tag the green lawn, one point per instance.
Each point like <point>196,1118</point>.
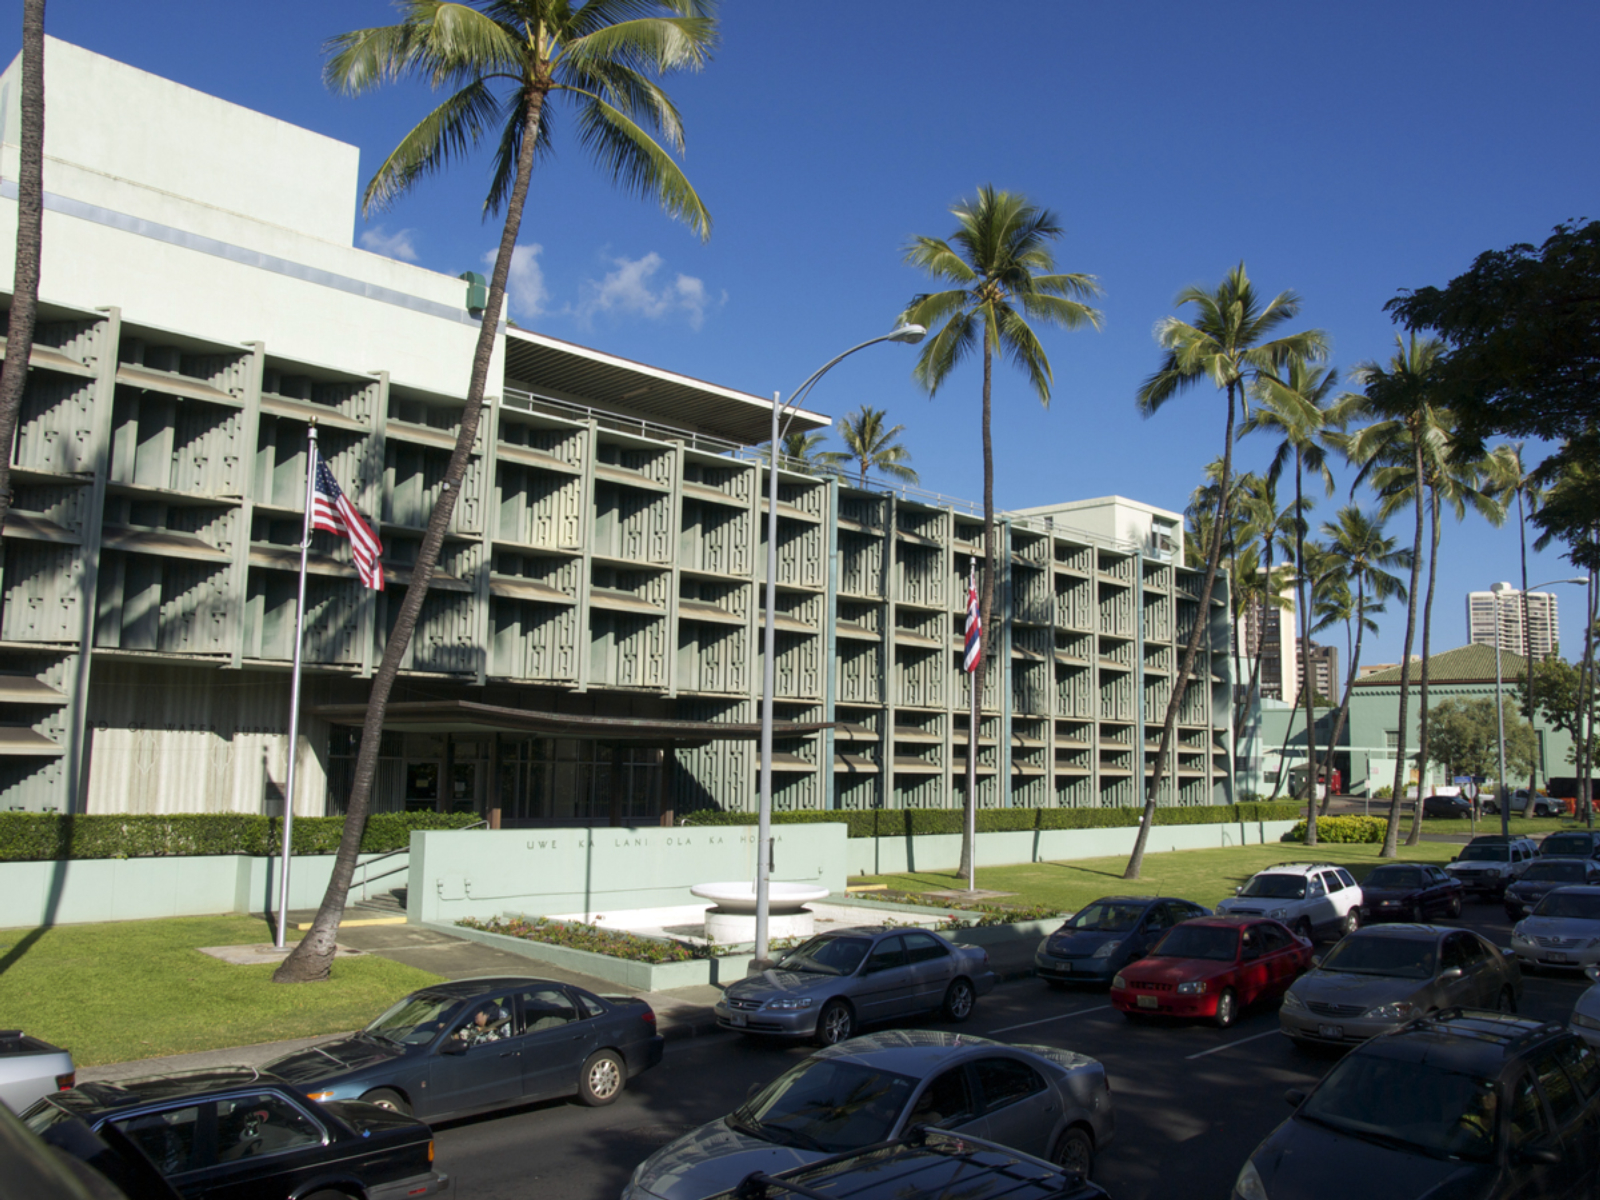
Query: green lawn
<point>138,989</point>
<point>1204,876</point>
<point>1537,826</point>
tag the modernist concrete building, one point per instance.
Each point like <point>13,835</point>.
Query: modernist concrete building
<point>589,650</point>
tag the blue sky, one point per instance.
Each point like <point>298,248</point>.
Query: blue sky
<point>1344,151</point>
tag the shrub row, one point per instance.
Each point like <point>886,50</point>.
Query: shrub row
<point>578,936</point>
<point>1343,829</point>
<point>898,822</point>
<point>43,837</point>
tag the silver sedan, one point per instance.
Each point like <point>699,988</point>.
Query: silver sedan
<point>1380,977</point>
<point>1050,1103</point>
<point>846,978</point>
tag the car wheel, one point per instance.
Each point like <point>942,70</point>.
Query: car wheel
<point>1227,1009</point>
<point>1508,1000</point>
<point>326,1195</point>
<point>1492,809</point>
<point>959,999</point>
<point>835,1023</point>
<point>1351,922</point>
<point>602,1078</point>
<point>393,1101</point>
<point>1074,1150</point>
<point>1454,910</point>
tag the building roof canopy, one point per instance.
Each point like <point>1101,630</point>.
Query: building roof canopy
<point>1469,664</point>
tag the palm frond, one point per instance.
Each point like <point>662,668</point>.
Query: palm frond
<point>449,132</point>
<point>935,256</point>
<point>635,161</point>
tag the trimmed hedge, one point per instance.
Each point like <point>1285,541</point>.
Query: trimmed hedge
<point>1343,829</point>
<point>898,822</point>
<point>45,837</point>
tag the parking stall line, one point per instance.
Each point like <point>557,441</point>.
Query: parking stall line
<point>1077,1012</point>
<point>1231,1045</point>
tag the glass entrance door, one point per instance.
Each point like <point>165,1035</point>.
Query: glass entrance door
<point>422,785</point>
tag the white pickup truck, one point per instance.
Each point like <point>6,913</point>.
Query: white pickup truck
<point>31,1069</point>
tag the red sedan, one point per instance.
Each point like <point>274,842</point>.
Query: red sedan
<point>1211,967</point>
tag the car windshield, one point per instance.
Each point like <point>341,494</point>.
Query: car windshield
<point>415,1021</point>
<point>1563,843</point>
<point>1276,887</point>
<point>1565,872</point>
<point>1578,906</point>
<point>826,1105</point>
<point>1407,1106</point>
<point>826,956</point>
<point>1395,877</point>
<point>1219,942</point>
<point>1486,854</point>
<point>1404,958</point>
<point>1105,917</point>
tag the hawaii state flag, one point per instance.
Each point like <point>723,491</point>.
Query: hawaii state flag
<point>332,512</point>
<point>974,623</point>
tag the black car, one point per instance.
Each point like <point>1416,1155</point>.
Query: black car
<point>1409,892</point>
<point>1467,1104</point>
<point>248,1136</point>
<point>927,1164</point>
<point>1446,806</point>
<point>1572,843</point>
<point>1543,876</point>
<point>473,1045</point>
<point>1107,934</point>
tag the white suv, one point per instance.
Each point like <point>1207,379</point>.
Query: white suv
<point>1313,899</point>
<point>1489,863</point>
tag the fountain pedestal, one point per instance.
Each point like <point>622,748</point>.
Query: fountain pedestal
<point>733,920</point>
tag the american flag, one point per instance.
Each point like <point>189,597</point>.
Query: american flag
<point>974,624</point>
<point>332,512</point>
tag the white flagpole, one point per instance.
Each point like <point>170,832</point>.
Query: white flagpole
<point>294,691</point>
<point>972,740</point>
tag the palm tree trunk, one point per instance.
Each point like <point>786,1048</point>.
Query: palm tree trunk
<point>30,240</point>
<point>1414,838</point>
<point>1283,747</point>
<point>1305,655</point>
<point>1391,838</point>
<point>985,605</point>
<point>1191,651</point>
<point>1349,685</point>
<point>1585,714</point>
<point>311,959</point>
<point>1527,640</point>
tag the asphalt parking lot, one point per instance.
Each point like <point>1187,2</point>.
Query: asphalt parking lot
<point>1192,1101</point>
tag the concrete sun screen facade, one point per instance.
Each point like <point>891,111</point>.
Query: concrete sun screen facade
<point>589,652</point>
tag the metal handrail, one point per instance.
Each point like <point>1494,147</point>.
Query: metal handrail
<point>377,858</point>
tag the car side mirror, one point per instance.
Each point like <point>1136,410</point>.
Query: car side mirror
<point>1449,973</point>
<point>1316,960</point>
<point>1593,972</point>
<point>453,1045</point>
<point>1455,858</point>
<point>1238,890</point>
<point>1295,1097</point>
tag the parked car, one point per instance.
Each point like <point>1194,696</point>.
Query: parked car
<point>1042,1101</point>
<point>1571,843</point>
<point>104,1166</point>
<point>1586,1012</point>
<point>1517,802</point>
<point>1469,1105</point>
<point>838,981</point>
<point>928,1164</point>
<point>1447,806</point>
<point>249,1136</point>
<point>1564,931</point>
<point>473,1045</point>
<point>1488,864</point>
<point>1409,892</point>
<point>1545,875</point>
<point>1313,899</point>
<point>31,1068</point>
<point>1105,935</point>
<point>1380,977</point>
<point>1212,968</point>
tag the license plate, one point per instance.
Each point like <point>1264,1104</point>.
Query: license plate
<point>1335,1032</point>
<point>1065,968</point>
<point>738,1019</point>
<point>1147,1002</point>
<point>1555,958</point>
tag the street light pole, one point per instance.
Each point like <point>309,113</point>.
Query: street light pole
<point>910,334</point>
<point>1499,704</point>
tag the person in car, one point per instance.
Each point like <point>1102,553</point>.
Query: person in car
<point>487,1025</point>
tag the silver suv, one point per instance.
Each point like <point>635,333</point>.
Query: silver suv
<point>1488,864</point>
<point>1313,899</point>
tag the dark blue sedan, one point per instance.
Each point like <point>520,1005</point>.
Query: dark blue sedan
<point>1106,935</point>
<point>473,1045</point>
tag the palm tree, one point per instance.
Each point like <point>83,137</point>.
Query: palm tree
<point>1505,470</point>
<point>871,446</point>
<point>1294,403</point>
<point>1357,554</point>
<point>1229,343</point>
<point>1004,275</point>
<point>30,239</point>
<point>505,60</point>
<point>800,449</point>
<point>1400,399</point>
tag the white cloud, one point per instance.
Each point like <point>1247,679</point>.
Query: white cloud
<point>628,289</point>
<point>525,289</point>
<point>390,245</point>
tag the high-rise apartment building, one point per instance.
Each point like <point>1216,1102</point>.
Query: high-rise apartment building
<point>1325,670</point>
<point>1543,630</point>
<point>1269,630</point>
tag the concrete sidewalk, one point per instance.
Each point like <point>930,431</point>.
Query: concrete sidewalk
<point>680,1013</point>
